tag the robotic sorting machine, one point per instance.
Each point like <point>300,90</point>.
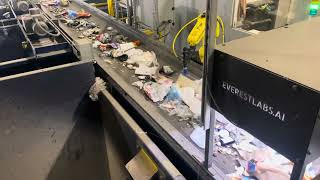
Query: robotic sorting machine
<point>240,83</point>
<point>269,85</point>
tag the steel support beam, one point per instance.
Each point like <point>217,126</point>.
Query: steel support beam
<point>208,114</point>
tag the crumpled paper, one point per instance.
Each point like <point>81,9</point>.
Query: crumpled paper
<point>138,58</point>
<point>155,91</point>
<point>188,97</point>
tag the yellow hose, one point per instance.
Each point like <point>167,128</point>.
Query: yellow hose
<point>179,32</point>
<point>222,28</point>
<point>99,4</point>
<point>110,8</point>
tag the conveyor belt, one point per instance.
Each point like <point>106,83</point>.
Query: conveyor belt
<point>174,132</point>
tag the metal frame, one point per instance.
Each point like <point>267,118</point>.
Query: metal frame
<point>26,36</point>
<point>142,139</point>
<point>129,11</point>
<point>17,23</point>
<point>134,14</point>
<point>207,113</point>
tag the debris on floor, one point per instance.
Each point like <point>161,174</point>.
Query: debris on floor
<point>129,66</point>
<point>142,77</point>
<point>198,136</point>
<point>91,32</point>
<point>110,28</point>
<point>313,170</point>
<point>122,58</point>
<point>239,145</point>
<point>108,61</point>
<point>96,44</point>
<point>166,70</point>
<point>138,84</point>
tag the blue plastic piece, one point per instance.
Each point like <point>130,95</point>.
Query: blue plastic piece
<point>252,168</point>
<point>72,14</point>
<point>185,71</point>
<point>174,94</point>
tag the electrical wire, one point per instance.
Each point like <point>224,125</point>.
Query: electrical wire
<point>219,20</point>
<point>46,31</point>
<point>179,32</point>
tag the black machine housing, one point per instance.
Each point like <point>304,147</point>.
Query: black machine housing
<point>267,86</point>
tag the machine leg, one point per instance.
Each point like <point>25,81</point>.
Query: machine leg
<point>210,141</point>
<point>208,114</point>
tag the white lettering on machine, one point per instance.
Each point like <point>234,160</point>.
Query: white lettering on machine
<point>244,96</point>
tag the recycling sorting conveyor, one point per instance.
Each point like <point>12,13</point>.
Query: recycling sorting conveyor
<point>144,87</point>
<point>32,67</point>
<point>173,135</point>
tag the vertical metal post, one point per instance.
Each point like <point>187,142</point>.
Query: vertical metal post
<point>207,113</point>
<point>134,13</point>
<point>155,14</point>
<point>129,12</point>
<point>116,8</point>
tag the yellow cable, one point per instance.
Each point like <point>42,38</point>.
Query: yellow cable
<point>222,28</point>
<point>179,32</point>
<point>110,8</point>
<point>99,4</point>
